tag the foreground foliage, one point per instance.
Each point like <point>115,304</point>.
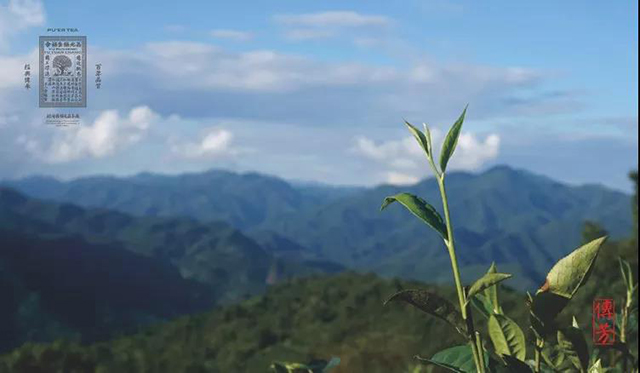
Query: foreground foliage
<point>557,346</point>
<point>298,321</point>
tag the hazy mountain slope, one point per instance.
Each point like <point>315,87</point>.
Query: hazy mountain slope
<point>503,215</point>
<point>70,271</point>
<point>509,216</point>
<point>213,253</point>
<point>65,286</point>
<point>243,200</point>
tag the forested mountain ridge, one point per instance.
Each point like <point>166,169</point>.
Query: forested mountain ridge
<point>90,273</point>
<point>513,217</point>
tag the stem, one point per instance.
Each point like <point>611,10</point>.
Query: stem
<point>451,248</point>
<point>473,336</point>
<point>625,315</point>
<point>476,357</point>
<point>480,349</point>
<point>435,169</point>
<point>462,298</point>
<point>539,343</point>
<point>623,327</point>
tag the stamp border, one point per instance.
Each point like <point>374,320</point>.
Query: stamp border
<point>41,41</point>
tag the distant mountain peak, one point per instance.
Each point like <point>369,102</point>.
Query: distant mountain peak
<point>502,168</point>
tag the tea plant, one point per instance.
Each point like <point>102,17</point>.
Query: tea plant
<point>555,347</point>
<point>629,314</point>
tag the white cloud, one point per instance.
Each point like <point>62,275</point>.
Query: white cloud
<point>18,15</point>
<point>191,65</point>
<point>302,34</point>
<point>432,72</point>
<point>392,151</point>
<point>202,66</point>
<point>329,102</point>
<point>178,51</point>
<point>108,133</point>
<point>27,12</point>
<point>6,120</point>
<point>397,178</point>
<point>231,34</point>
<point>332,18</point>
<point>215,142</point>
<point>200,80</point>
<point>11,73</point>
<point>331,24</point>
<point>405,162</point>
<point>472,153</point>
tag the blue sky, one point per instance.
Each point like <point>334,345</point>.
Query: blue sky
<point>318,90</point>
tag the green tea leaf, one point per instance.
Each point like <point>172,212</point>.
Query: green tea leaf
<point>316,366</point>
<point>482,304</point>
<point>596,367</point>
<point>486,281</point>
<point>544,309</point>
<point>457,359</point>
<point>418,207</point>
<point>570,272</point>
<point>553,356</point>
<point>451,141</point>
<point>492,292</point>
<point>572,343</point>
<point>432,304</point>
<point>424,142</point>
<point>284,367</point>
<point>427,134</point>
<point>627,273</point>
<point>514,365</point>
<point>507,337</point>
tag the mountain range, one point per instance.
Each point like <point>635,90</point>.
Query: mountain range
<point>242,200</point>
<point>91,257</point>
<point>523,221</point>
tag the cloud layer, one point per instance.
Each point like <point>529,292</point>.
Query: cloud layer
<point>405,161</point>
<point>230,99</point>
<point>19,15</point>
<point>214,143</point>
<point>107,134</point>
<point>231,34</point>
<point>332,19</point>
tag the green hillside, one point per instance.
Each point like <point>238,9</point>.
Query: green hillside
<point>212,253</point>
<point>66,287</point>
<point>320,317</point>
<point>303,320</point>
<point>299,320</point>
<point>89,274</point>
